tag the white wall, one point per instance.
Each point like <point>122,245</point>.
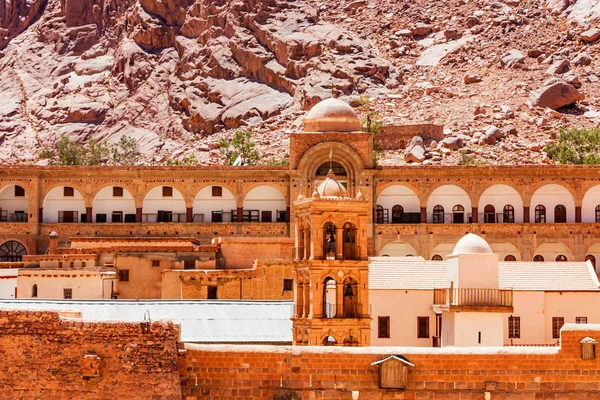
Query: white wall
<point>265,198</point>
<point>85,285</point>
<point>473,271</point>
<point>403,307</point>
<point>398,249</point>
<point>448,196</point>
<point>550,196</point>
<point>530,308</point>
<point>205,203</point>
<point>591,199</point>
<point>499,196</point>
<point>155,201</point>
<point>55,202</point>
<point>504,249</point>
<point>401,195</point>
<point>551,250</point>
<point>467,326</point>
<point>8,283</point>
<point>9,202</point>
<point>105,203</point>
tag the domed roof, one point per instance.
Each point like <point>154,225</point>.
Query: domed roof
<point>472,244</point>
<point>331,115</point>
<point>330,188</point>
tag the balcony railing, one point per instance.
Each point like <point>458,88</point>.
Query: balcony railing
<point>456,297</point>
<point>450,218</point>
<point>495,218</point>
<point>5,216</point>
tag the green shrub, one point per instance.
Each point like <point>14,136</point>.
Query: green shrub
<point>576,146</point>
<point>241,144</point>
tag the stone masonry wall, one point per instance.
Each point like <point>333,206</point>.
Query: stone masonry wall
<point>278,373</point>
<point>43,356</point>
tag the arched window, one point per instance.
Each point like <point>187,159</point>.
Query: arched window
<point>489,214</point>
<point>12,251</point>
<point>438,215</point>
<point>329,246</point>
<point>598,213</point>
<point>510,257</point>
<point>34,291</point>
<point>508,214</point>
<point>561,257</point>
<point>591,259</point>
<point>538,258</point>
<point>540,214</point>
<point>380,214</point>
<point>436,257</point>
<point>458,214</point>
<point>337,169</point>
<point>350,297</point>
<point>560,213</point>
<point>329,297</point>
<point>329,341</point>
<point>397,212</point>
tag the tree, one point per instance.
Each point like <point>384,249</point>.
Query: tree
<point>185,161</point>
<point>241,145</point>
<point>125,152</point>
<point>576,146</point>
<point>69,152</point>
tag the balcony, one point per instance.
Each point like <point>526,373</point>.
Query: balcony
<point>487,300</point>
<point>5,216</point>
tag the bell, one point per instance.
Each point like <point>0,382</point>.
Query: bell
<point>348,292</point>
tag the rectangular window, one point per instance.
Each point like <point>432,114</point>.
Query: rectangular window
<point>167,191</point>
<point>156,263</point>
<point>212,293</point>
<point>124,275</point>
<point>189,264</point>
<point>217,216</point>
<point>557,323</point>
<point>100,217</point>
<point>68,191</point>
<point>67,293</point>
<point>217,191</point>
<point>117,191</point>
<point>383,327</point>
<point>422,327</point>
<point>514,327</point>
<point>266,216</point>
<point>581,320</point>
<point>117,216</point>
<point>19,191</point>
<point>83,264</point>
<point>288,285</point>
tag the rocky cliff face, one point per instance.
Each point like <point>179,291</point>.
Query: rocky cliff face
<point>169,73</point>
<point>179,74</point>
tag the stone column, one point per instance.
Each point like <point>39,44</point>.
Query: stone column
<point>423,215</point>
<point>339,299</point>
<point>578,214</point>
<point>307,301</point>
<point>474,215</point>
<point>138,214</point>
<point>240,214</point>
<point>189,214</point>
<point>41,215</point>
<point>525,214</point>
<point>88,214</point>
<point>339,243</point>
<point>306,248</point>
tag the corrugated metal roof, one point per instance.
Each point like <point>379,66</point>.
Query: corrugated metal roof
<point>394,273</point>
<point>206,321</point>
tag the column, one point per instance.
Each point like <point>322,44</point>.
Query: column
<point>339,244</point>
<point>41,215</point>
<point>474,215</point>
<point>138,214</point>
<point>339,299</point>
<point>307,300</point>
<point>189,214</point>
<point>525,214</point>
<point>88,214</point>
<point>305,249</point>
<point>423,215</point>
<point>240,212</point>
<point>578,214</point>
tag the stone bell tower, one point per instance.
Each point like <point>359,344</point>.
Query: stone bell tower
<point>331,267</point>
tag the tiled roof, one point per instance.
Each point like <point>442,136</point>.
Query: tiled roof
<point>403,273</point>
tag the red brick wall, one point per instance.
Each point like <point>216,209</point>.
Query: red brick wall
<point>42,357</point>
<point>229,372</point>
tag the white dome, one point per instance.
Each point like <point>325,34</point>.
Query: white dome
<point>331,115</point>
<point>472,244</point>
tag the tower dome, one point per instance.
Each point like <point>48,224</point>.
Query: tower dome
<point>330,188</point>
<point>331,115</point>
<point>472,244</point>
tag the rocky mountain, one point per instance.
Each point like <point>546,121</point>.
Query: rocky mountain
<point>178,75</point>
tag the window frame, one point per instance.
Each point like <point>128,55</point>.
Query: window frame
<point>117,191</point>
<point>68,191</point>
<point>540,214</point>
<point>581,320</point>
<point>423,323</point>
<point>508,214</point>
<point>123,275</point>
<point>212,293</point>
<point>217,191</point>
<point>288,285</point>
<point>155,263</point>
<point>19,191</point>
<point>167,191</point>
<point>556,321</point>
<point>67,293</point>
<point>514,327</point>
<point>383,327</point>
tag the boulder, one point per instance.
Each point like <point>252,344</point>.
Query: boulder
<point>591,35</point>
<point>581,60</point>
<point>421,29</point>
<point>558,67</point>
<point>555,95</point>
<point>452,143</point>
<point>415,151</point>
<point>511,59</point>
<point>472,78</point>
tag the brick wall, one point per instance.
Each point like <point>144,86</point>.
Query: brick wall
<point>265,372</point>
<point>44,357</point>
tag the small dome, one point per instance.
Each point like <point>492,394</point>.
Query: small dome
<point>331,188</point>
<point>331,115</point>
<point>472,244</point>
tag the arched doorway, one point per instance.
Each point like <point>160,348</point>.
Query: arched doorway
<point>560,213</point>
<point>12,251</point>
<point>489,214</point>
<point>350,251</point>
<point>458,214</point>
<point>397,213</point>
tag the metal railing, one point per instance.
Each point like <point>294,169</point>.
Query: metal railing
<point>13,217</point>
<point>495,218</point>
<point>473,297</point>
<point>449,218</point>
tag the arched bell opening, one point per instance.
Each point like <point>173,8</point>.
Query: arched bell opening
<point>329,341</point>
<point>350,251</point>
<point>329,241</point>
<point>350,298</point>
<point>329,297</point>
<point>351,341</point>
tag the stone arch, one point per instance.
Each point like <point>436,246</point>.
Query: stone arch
<point>208,206</point>
<point>114,208</point>
<point>247,188</point>
<point>159,208</point>
<point>78,186</point>
<point>404,196</point>
<point>448,196</point>
<point>591,200</point>
<point>264,199</point>
<point>550,250</point>
<point>500,195</point>
<point>485,185</point>
<point>14,203</point>
<point>58,206</point>
<point>505,248</point>
<point>12,250</point>
<point>551,195</point>
<point>342,154</point>
<point>397,249</point>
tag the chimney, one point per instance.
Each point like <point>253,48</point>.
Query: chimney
<point>53,247</point>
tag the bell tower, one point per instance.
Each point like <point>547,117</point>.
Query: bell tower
<point>331,267</point>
